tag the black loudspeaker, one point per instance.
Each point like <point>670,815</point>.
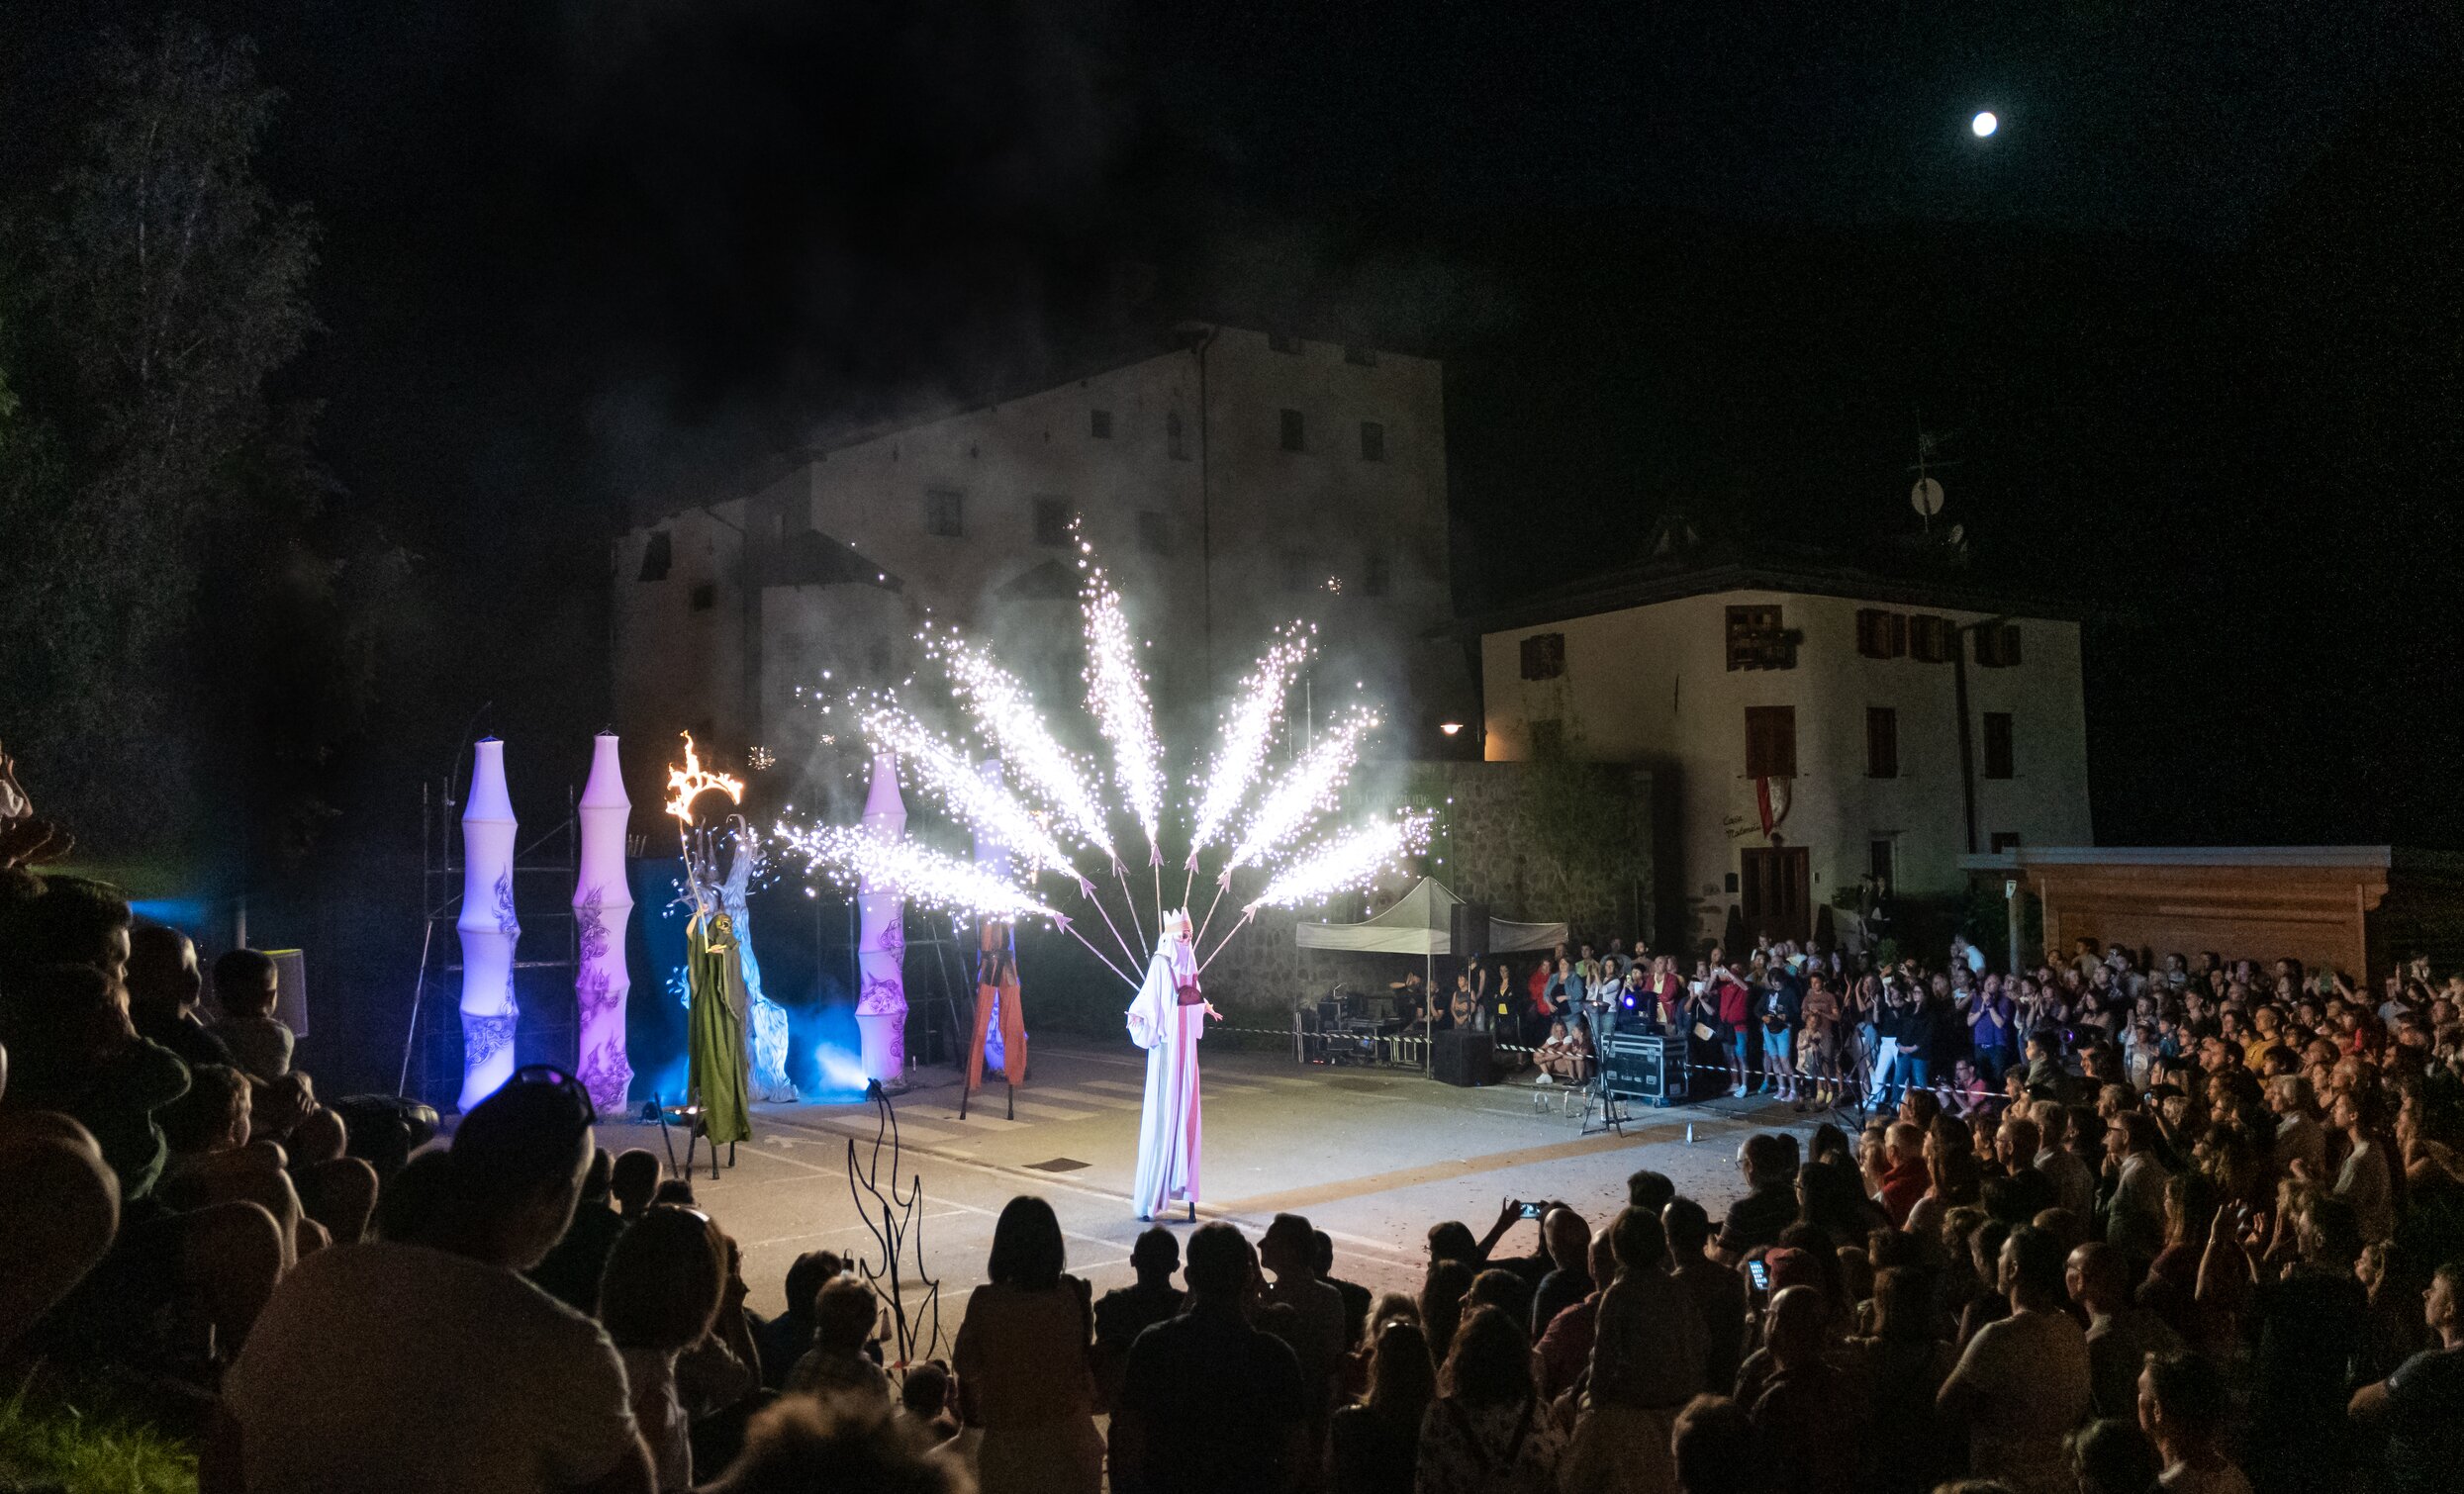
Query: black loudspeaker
<point>1462,1058</point>
<point>1644,1066</point>
<point>1467,929</point>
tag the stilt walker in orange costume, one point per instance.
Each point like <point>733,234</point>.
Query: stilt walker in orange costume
<point>996,1000</point>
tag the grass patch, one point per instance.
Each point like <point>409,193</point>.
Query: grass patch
<point>90,1453</point>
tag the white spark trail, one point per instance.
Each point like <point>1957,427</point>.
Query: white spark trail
<point>1248,734</point>
<point>1307,792</point>
<point>1349,859</point>
<point>912,872</point>
<point>979,802</point>
<point>999,708</point>
<point>1116,696</point>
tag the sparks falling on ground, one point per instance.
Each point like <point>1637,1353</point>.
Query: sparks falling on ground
<point>1251,819</point>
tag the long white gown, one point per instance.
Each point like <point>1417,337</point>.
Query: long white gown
<point>1168,1127</point>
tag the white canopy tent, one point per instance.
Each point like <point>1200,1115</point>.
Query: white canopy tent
<point>1421,922</point>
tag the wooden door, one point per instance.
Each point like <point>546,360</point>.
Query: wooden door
<point>1776,882</point>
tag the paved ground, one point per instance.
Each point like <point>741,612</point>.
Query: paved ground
<point>1372,1156</point>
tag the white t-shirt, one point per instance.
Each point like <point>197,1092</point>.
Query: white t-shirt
<point>397,1369</point>
<point>2031,1371</point>
<point>2182,1478</point>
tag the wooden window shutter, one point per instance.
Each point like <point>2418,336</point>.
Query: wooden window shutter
<point>1881,742</point>
<point>1770,741</point>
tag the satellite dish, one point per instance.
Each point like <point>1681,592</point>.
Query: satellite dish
<point>1925,497</point>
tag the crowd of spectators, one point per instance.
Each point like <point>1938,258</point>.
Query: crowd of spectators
<point>2198,1229</point>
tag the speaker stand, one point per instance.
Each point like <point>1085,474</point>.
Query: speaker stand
<point>1612,1105</point>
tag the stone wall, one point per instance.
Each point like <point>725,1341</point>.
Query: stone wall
<point>1493,820</point>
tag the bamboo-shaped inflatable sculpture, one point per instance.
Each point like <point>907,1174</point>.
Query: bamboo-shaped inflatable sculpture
<point>881,939</point>
<point>998,1019</point>
<point>488,928</point>
<point>603,904</point>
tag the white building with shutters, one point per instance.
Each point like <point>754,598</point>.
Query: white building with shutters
<point>1806,727</point>
<point>1231,480</point>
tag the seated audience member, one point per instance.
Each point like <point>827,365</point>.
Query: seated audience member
<point>212,1160</point>
<point>163,984</point>
<point>1906,1178</point>
<point>1319,1315</point>
<point>45,1252</point>
<point>1442,1288</point>
<point>1650,1192</point>
<point>783,1339</point>
<point>1714,1448</point>
<point>2022,1385</point>
<point>570,1270</point>
<point>661,1293</point>
<point>2183,1402</point>
<point>1374,1448</point>
<point>632,1181</point>
<point>1022,1361</point>
<point>437,1367</point>
<point>2421,1406</point>
<point>1487,1433</point>
<point>246,987</point>
<point>843,1318</point>
<point>1210,1404</point>
<point>1812,1415</point>
<point>927,1411</point>
<point>1566,1056</point>
<point>798,1447</point>
<point>674,1190</point>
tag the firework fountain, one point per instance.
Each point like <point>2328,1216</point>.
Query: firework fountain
<point>1048,813</point>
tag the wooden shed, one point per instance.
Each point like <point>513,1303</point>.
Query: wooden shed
<point>2355,909</point>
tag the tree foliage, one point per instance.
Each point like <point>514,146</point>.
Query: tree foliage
<point>168,518</point>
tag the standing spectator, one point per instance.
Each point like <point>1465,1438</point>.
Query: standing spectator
<point>2365,1180</point>
<point>570,1270</point>
<point>1769,1160</point>
<point>1128,1311</point>
<point>2134,1219</point>
<point>2310,1324</point>
<point>665,1283</point>
<point>1567,1239</point>
<point>514,1390</point>
<point>2182,1406</point>
<point>1646,1358</point>
<point>1022,1363</point>
<point>2074,1182</point>
<point>1209,1403</point>
<point>633,1181</point>
<point>1563,1353</point>
<point>2121,1333</point>
<point>1906,1178</point>
<point>1374,1448</point>
<point>2299,1135</point>
<point>2113,1456</point>
<point>1487,1433</point>
<point>1812,1416</point>
<point>2421,1406</point>
<point>1904,1364</point>
<point>1783,998</point>
<point>1717,1290</point>
<point>2023,1383</point>
<point>1442,1289</point>
<point>1317,1309</point>
<point>1732,1003</point>
<point>1714,1449</point>
<point>1992,1031</point>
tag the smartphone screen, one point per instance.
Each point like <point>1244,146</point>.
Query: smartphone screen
<point>1532,1210</point>
<point>1761,1278</point>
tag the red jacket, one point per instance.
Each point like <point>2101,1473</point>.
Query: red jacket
<point>1902,1186</point>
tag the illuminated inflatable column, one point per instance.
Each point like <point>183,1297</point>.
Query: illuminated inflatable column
<point>488,929</point>
<point>993,856</point>
<point>881,1002</point>
<point>603,904</point>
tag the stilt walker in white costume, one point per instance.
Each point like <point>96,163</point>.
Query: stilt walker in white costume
<point>1167,1020</point>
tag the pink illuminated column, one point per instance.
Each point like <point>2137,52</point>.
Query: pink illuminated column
<point>603,904</point>
<point>488,928</point>
<point>881,1000</point>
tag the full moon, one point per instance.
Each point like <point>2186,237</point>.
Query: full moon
<point>1984,124</point>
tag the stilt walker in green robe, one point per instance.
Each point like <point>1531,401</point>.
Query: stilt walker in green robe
<point>714,1048</point>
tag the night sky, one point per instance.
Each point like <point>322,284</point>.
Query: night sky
<point>2189,322</point>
